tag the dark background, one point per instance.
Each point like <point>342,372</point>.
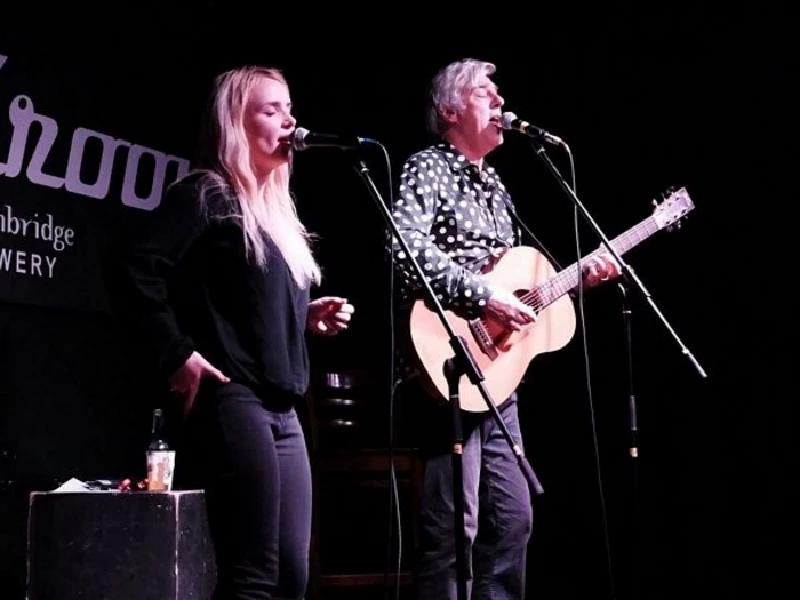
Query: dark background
<point>645,103</point>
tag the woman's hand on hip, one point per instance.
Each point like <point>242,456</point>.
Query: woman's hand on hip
<point>186,380</point>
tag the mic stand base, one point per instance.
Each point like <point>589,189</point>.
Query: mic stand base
<point>461,364</point>
<point>627,271</point>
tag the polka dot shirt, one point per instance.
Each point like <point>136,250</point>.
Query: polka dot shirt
<point>454,216</point>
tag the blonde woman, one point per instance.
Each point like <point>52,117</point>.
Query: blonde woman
<point>220,289</point>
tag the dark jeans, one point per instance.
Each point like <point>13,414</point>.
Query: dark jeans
<point>498,513</point>
<point>249,454</point>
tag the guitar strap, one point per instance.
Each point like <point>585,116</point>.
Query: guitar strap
<point>536,241</point>
<point>513,211</point>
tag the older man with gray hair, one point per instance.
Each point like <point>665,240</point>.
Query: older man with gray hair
<point>455,214</point>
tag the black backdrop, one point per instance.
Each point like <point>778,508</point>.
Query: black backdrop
<point>644,103</point>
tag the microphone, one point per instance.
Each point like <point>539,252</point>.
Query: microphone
<point>303,139</point>
<point>511,121</point>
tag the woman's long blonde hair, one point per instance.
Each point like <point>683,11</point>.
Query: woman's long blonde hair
<point>267,210</point>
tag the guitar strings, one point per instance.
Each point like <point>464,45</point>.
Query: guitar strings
<point>535,298</point>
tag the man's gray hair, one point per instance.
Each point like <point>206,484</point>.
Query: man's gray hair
<point>447,90</point>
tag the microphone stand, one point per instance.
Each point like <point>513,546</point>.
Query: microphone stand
<point>461,364</point>
<point>627,271</point>
<point>629,276</point>
<point>632,414</point>
<point>633,449</point>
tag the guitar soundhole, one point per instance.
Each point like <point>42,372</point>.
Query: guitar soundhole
<point>529,297</point>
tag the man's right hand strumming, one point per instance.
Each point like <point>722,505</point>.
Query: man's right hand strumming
<point>506,308</point>
<point>186,380</point>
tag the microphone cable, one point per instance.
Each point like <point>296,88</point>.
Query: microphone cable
<point>588,379</point>
<point>587,367</point>
<point>394,494</point>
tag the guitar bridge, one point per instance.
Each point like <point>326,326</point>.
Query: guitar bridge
<point>482,337</point>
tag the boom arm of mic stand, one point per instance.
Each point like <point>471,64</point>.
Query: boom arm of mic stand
<point>626,270</point>
<point>464,361</point>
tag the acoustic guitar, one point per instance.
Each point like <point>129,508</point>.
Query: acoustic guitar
<point>504,356</point>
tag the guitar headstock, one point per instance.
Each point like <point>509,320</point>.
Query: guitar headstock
<point>675,205</point>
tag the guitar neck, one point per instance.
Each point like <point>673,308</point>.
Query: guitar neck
<point>568,279</point>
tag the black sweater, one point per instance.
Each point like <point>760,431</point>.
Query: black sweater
<point>186,285</point>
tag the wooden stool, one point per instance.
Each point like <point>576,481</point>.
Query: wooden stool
<point>349,465</point>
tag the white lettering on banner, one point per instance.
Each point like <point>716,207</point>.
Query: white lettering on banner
<point>39,228</point>
<point>32,243</point>
<point>22,115</point>
<point>26,263</point>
